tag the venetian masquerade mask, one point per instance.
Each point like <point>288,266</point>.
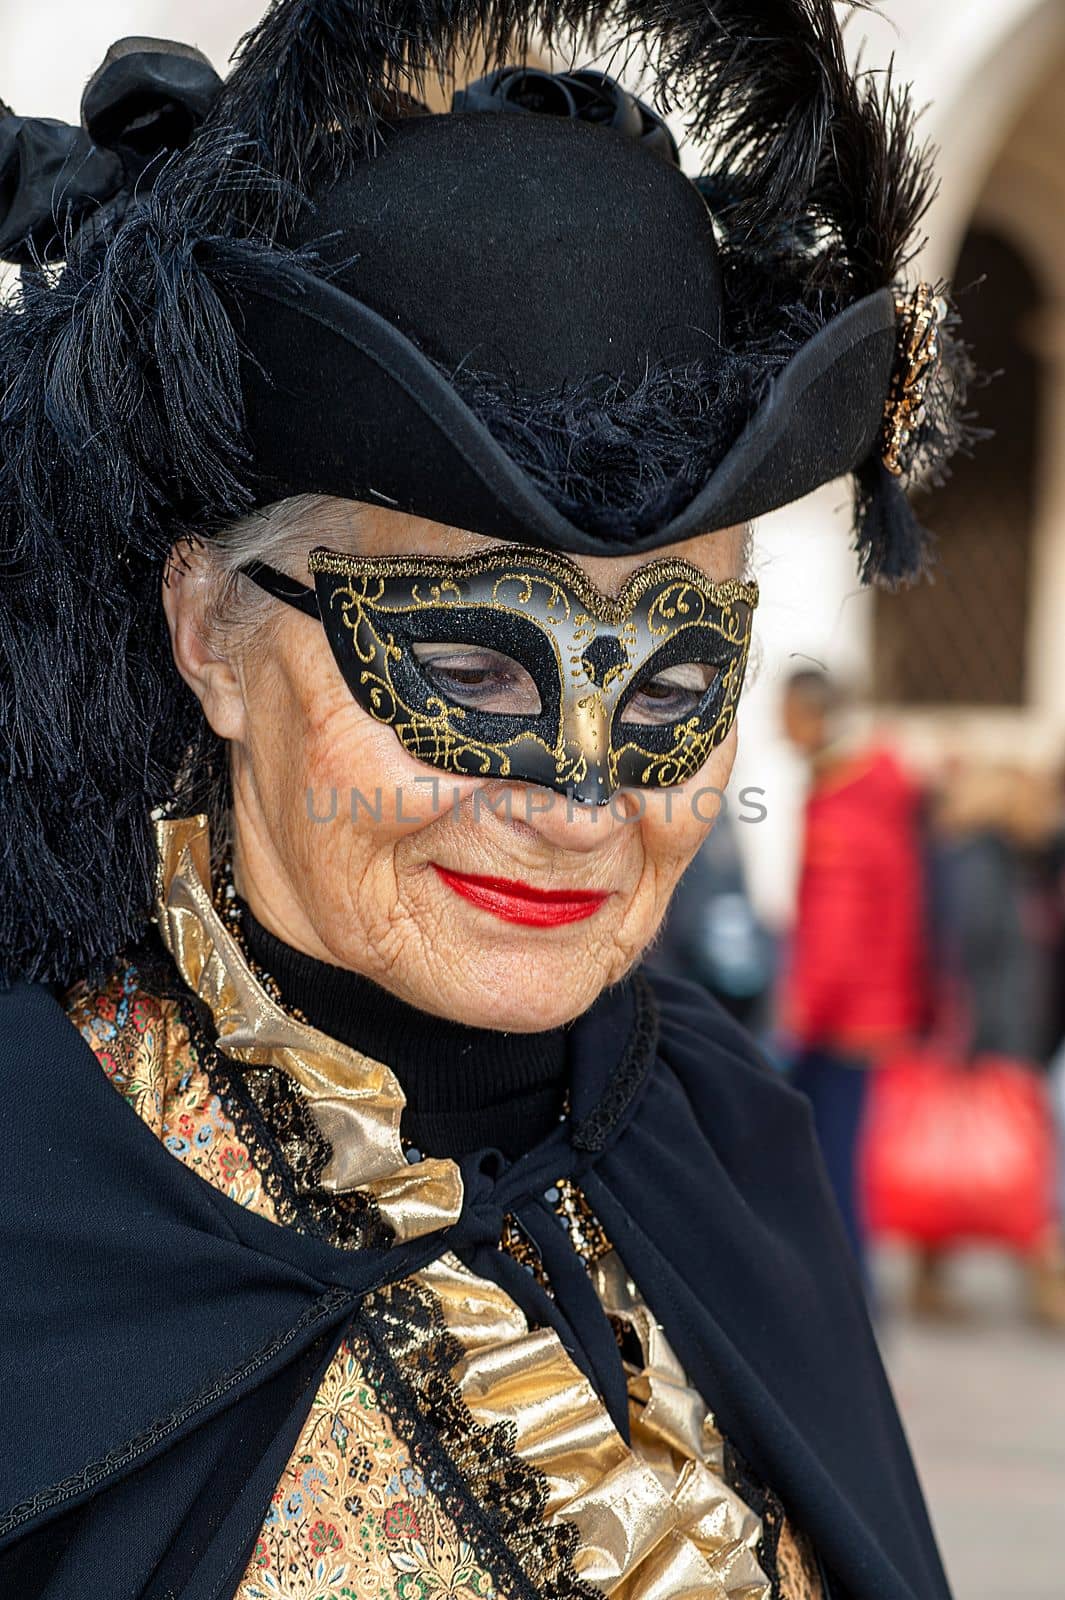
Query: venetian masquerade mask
<point>512,664</point>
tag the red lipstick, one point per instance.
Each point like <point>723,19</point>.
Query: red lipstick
<point>520,902</point>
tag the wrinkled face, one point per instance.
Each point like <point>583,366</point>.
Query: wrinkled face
<point>499,902</point>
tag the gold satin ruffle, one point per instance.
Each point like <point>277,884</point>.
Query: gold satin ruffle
<point>656,1521</point>
<point>356,1101</point>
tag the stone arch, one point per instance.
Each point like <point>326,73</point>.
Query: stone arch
<point>1013,189</point>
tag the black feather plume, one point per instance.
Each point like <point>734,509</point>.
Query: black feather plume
<point>120,432</point>
<point>622,459</point>
<point>765,86</point>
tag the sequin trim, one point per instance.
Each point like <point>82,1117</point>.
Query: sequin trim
<point>587,1235</point>
<point>594,1132</point>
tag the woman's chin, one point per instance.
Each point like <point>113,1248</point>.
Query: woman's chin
<point>534,1018</point>
<point>522,995</point>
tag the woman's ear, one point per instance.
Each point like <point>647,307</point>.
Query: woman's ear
<point>214,680</point>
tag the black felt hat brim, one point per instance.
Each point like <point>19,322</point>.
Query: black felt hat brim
<point>338,401</point>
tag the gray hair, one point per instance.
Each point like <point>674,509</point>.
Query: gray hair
<point>281,535</point>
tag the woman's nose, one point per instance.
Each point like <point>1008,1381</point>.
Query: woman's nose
<point>563,820</point>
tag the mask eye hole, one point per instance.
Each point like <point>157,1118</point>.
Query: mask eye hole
<point>671,695</point>
<point>478,679</point>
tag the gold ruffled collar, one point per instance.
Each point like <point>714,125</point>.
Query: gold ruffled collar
<point>356,1101</point>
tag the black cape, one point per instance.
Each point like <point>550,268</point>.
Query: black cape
<point>160,1345</point>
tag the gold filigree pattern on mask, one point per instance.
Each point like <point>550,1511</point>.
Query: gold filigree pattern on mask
<point>597,644</point>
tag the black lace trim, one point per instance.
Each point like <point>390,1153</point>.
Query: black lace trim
<point>592,1134</point>
<point>123,1455</point>
<point>498,1501</point>
<point>275,1120</point>
<point>765,1504</point>
<point>270,1108</point>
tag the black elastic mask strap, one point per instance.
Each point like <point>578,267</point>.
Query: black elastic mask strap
<point>282,587</point>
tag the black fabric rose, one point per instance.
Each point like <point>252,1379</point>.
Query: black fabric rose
<point>587,96</point>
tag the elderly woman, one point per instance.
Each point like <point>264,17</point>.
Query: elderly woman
<point>375,497</point>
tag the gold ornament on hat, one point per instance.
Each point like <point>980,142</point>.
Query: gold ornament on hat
<point>918,351</point>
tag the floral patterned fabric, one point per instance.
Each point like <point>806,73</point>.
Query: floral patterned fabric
<point>352,1518</point>
<point>144,1048</point>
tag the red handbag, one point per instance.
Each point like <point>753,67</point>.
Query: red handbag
<point>957,1151</point>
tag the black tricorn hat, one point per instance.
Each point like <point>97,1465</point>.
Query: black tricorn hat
<point>520,317</point>
<point>477,259</point>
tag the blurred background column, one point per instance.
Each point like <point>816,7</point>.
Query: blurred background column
<point>972,668</point>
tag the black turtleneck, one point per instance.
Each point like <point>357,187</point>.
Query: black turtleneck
<point>467,1088</point>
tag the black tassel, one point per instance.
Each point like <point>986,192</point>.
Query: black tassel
<point>894,550</point>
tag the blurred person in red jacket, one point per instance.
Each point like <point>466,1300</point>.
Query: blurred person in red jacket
<point>855,984</point>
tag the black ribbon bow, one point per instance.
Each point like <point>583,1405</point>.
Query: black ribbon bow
<point>143,103</point>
